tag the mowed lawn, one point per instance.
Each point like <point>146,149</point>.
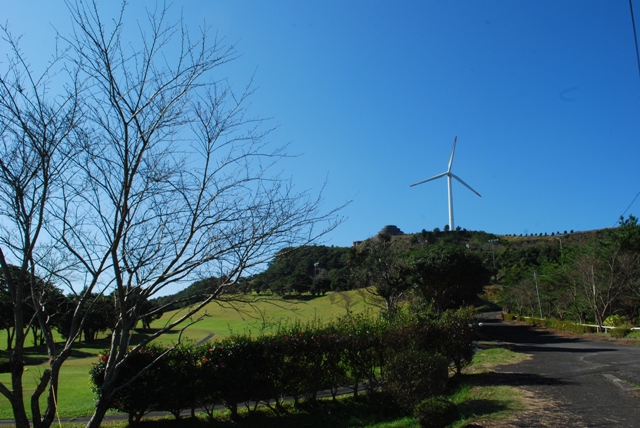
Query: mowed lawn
<point>216,321</point>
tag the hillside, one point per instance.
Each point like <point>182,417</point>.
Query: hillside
<point>317,269</point>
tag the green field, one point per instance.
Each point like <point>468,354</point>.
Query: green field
<point>476,400</point>
<point>261,315</point>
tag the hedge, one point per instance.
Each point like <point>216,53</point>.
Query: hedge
<point>298,361</point>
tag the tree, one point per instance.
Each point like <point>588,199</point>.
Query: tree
<point>38,129</point>
<point>608,272</point>
<point>157,177</point>
<point>51,300</point>
<point>378,268</point>
<point>446,274</point>
<point>99,315</point>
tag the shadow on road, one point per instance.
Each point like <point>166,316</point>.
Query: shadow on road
<point>519,379</point>
<point>528,338</point>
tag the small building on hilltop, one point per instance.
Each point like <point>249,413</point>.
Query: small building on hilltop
<point>391,230</point>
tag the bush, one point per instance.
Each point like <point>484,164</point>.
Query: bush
<point>362,339</point>
<point>138,397</point>
<point>412,375</point>
<point>620,331</point>
<point>457,334</point>
<point>436,412</point>
<point>510,317</point>
<point>616,321</point>
<point>5,365</point>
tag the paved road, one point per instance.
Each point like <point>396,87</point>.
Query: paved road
<point>583,383</point>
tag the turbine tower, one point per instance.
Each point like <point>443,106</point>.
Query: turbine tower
<point>449,176</point>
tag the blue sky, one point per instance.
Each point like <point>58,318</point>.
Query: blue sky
<point>544,96</point>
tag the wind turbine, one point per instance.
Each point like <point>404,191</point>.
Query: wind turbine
<point>449,176</point>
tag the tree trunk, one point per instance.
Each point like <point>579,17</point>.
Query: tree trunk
<point>98,415</point>
<point>17,401</point>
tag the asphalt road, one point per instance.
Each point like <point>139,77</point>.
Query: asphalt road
<point>580,382</point>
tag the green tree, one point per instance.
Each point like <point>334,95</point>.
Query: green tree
<point>446,275</point>
<point>379,268</point>
<point>98,316</point>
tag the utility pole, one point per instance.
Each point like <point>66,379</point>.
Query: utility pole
<point>493,253</point>
<point>535,279</point>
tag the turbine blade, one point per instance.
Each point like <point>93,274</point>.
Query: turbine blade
<point>452,151</point>
<point>429,179</point>
<point>468,187</point>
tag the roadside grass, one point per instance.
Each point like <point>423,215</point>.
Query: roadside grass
<point>478,399</point>
<point>345,412</point>
<point>493,356</point>
<point>635,334</point>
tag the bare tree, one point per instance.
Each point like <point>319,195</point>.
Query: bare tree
<point>602,278</point>
<point>165,179</point>
<point>38,140</point>
<point>176,182</point>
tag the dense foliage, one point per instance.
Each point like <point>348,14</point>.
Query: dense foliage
<point>99,316</point>
<point>584,281</point>
<point>436,412</point>
<point>307,269</point>
<point>298,361</point>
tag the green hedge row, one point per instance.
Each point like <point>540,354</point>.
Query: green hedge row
<point>298,361</point>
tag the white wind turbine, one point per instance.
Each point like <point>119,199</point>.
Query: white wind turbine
<point>449,176</point>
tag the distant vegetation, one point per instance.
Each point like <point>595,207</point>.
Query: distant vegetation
<point>577,276</point>
<point>590,277</point>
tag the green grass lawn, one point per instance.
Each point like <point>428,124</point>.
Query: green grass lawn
<point>261,315</point>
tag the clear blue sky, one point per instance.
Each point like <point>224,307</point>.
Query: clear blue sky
<point>544,96</point>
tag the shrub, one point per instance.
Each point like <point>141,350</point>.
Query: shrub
<point>620,331</point>
<point>509,317</point>
<point>436,412</point>
<point>361,336</point>
<point>138,397</point>
<point>179,387</point>
<point>5,365</point>
<point>240,361</point>
<point>412,375</point>
<point>457,331</point>
<point>615,321</point>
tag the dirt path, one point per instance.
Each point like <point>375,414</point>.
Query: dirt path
<point>206,339</point>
